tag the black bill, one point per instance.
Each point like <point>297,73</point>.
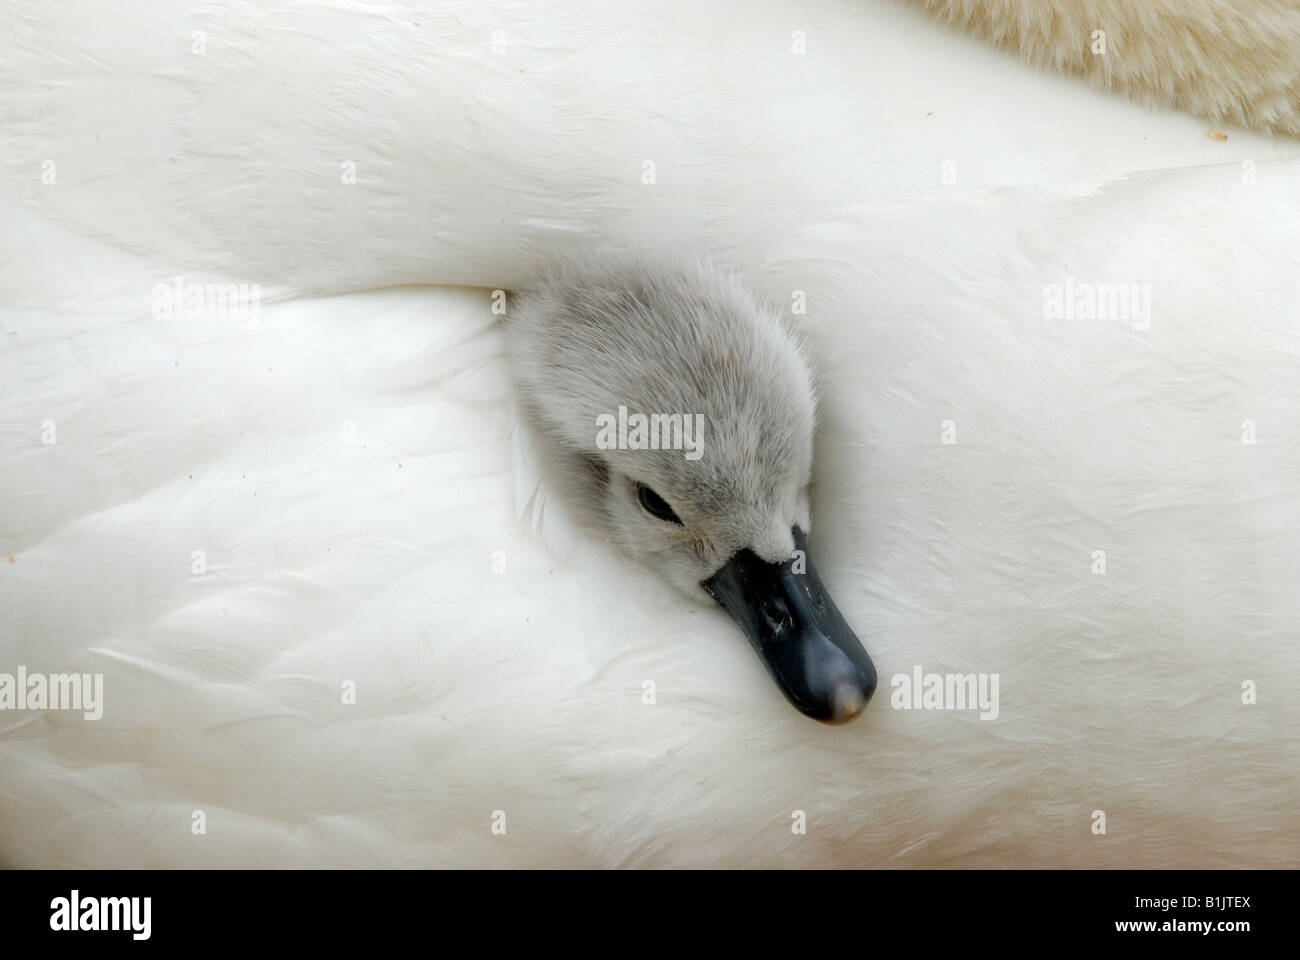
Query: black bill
<point>808,648</point>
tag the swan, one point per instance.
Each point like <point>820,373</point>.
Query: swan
<point>297,543</point>
<point>1227,62</point>
<point>729,520</point>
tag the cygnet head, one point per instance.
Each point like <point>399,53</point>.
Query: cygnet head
<point>673,411</point>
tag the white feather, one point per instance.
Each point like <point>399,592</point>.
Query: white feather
<point>346,463</point>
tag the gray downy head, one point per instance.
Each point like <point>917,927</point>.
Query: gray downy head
<point>725,386</point>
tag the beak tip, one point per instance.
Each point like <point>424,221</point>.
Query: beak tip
<point>848,700</point>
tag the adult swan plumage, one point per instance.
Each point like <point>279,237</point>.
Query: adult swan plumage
<point>284,527</point>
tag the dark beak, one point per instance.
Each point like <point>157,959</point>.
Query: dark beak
<point>807,647</point>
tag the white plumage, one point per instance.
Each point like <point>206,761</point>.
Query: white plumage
<point>345,463</point>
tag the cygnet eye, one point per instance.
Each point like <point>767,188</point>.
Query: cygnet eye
<point>655,505</point>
